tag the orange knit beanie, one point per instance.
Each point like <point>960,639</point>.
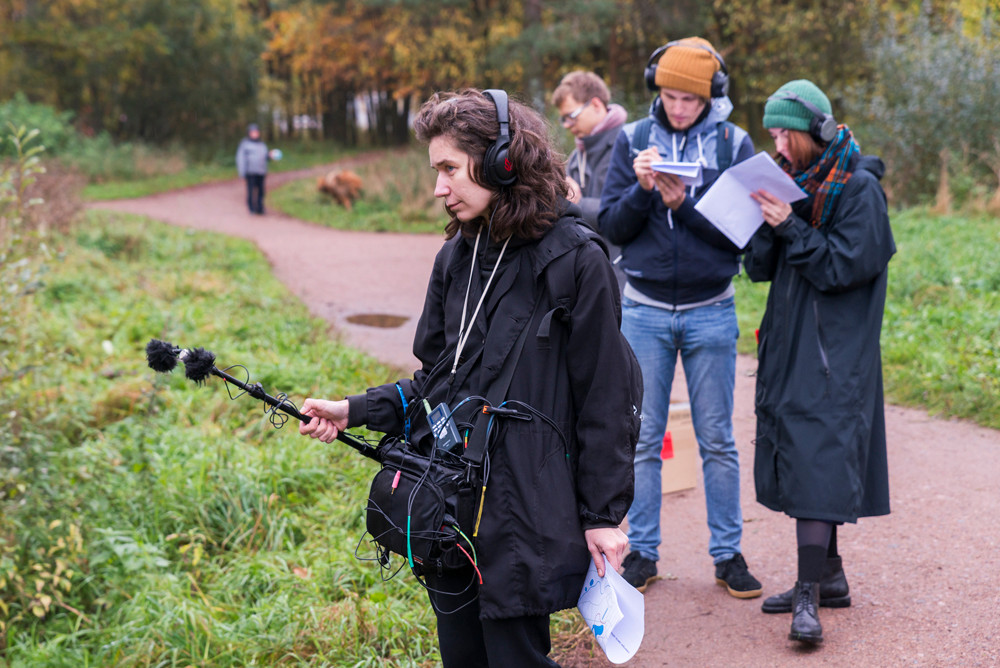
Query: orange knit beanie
<point>688,68</point>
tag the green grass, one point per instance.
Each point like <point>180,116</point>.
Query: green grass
<point>205,536</point>
<point>175,173</point>
<point>941,335</point>
<point>190,176</point>
<point>208,537</point>
<point>398,196</point>
<point>941,331</point>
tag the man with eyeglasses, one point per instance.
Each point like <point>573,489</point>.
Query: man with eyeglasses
<point>583,101</point>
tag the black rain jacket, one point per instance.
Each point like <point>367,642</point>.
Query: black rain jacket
<point>542,491</point>
<point>821,447</point>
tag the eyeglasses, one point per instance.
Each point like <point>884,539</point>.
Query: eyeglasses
<point>570,118</point>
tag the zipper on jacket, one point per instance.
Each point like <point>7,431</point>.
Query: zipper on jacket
<point>819,340</point>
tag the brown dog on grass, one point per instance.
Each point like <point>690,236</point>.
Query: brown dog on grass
<point>343,186</point>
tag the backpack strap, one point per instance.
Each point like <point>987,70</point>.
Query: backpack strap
<point>563,290</point>
<point>496,395</point>
<point>562,285</point>
<point>640,138</point>
<point>725,136</point>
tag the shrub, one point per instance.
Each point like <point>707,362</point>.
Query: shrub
<point>935,90</point>
<point>41,554</point>
<point>54,127</point>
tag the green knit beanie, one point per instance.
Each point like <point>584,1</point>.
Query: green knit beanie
<point>790,114</point>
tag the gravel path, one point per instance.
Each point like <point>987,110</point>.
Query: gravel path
<point>925,580</point>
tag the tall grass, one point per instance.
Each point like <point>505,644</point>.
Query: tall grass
<point>398,196</point>
<point>188,530</point>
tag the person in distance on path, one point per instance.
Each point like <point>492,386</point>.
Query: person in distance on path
<point>251,164</point>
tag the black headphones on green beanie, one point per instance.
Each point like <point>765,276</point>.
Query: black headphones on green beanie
<point>498,170</point>
<point>822,126</point>
<point>720,80</point>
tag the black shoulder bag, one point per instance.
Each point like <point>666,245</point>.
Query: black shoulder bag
<point>427,508</point>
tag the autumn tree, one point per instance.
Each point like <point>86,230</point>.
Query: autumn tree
<point>149,69</point>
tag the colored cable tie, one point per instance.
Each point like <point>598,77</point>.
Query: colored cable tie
<point>409,550</point>
<point>471,561</point>
<point>505,412</point>
<point>479,515</point>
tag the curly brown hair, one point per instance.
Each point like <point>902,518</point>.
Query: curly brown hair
<point>531,204</point>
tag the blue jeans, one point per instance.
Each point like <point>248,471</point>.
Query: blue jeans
<point>705,337</point>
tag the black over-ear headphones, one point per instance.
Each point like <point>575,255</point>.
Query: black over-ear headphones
<point>822,126</point>
<point>720,80</point>
<point>498,170</point>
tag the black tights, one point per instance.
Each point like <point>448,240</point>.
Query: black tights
<point>817,541</point>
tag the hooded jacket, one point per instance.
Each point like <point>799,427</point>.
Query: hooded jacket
<point>597,148</point>
<point>251,157</point>
<point>549,479</point>
<point>821,448</point>
<point>674,257</point>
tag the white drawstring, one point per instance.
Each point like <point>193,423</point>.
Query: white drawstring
<point>673,141</point>
<point>462,338</point>
<point>701,159</point>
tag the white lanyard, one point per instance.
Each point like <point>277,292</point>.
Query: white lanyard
<point>463,337</point>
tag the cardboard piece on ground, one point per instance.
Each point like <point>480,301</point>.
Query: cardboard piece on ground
<point>680,472</point>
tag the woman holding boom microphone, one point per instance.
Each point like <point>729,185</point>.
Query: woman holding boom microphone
<point>821,447</point>
<point>561,482</point>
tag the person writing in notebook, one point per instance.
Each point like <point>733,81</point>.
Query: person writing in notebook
<point>678,299</point>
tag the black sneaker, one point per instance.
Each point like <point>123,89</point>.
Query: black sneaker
<point>734,576</point>
<point>638,570</point>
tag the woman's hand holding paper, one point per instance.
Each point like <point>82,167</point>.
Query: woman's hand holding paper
<point>774,210</point>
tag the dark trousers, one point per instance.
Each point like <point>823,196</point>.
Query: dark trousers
<point>255,192</point>
<point>467,641</point>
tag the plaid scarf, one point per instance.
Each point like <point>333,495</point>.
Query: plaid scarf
<point>825,179</point>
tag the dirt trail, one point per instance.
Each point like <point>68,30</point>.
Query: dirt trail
<point>925,580</point>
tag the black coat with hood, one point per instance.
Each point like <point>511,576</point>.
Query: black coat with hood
<point>821,447</point>
<point>542,491</point>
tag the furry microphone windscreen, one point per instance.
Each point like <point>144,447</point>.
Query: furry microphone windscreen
<point>161,355</point>
<point>198,364</point>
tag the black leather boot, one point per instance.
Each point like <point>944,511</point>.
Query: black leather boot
<point>833,591</point>
<point>805,614</point>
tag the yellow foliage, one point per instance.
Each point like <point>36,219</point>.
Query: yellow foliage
<point>40,586</point>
